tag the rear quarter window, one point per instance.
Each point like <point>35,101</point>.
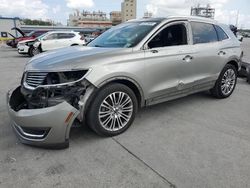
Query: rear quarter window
<point>203,33</point>
<point>221,33</point>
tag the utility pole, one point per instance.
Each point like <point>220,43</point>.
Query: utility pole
<point>237,19</point>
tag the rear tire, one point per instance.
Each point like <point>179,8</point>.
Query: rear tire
<point>112,110</point>
<point>226,82</point>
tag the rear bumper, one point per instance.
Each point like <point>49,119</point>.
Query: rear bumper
<point>45,127</point>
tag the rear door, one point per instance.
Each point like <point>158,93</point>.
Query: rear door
<point>207,60</point>
<point>65,39</point>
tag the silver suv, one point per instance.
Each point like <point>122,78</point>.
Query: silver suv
<point>135,64</point>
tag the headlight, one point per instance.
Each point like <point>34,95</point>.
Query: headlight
<point>64,77</point>
<point>29,43</point>
<point>32,80</point>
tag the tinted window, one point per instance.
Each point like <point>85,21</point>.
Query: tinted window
<point>38,33</point>
<point>51,36</point>
<point>221,34</point>
<point>203,33</point>
<point>65,35</point>
<point>171,36</point>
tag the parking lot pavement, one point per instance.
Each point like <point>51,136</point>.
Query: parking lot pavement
<point>196,141</point>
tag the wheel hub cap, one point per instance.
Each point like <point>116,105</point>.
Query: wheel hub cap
<point>115,111</point>
<point>228,82</point>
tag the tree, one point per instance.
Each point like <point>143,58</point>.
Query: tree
<point>36,22</point>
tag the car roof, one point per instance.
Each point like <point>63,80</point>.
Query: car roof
<point>62,32</point>
<point>172,18</point>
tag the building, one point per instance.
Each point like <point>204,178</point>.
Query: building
<point>148,15</point>
<point>6,24</point>
<point>205,11</point>
<point>116,17</point>
<point>89,19</point>
<point>128,10</point>
<point>29,28</point>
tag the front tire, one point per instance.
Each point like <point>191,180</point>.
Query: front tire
<point>226,82</point>
<point>112,110</point>
<point>34,51</point>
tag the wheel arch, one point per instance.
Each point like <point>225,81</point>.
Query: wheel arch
<point>132,84</point>
<point>235,61</point>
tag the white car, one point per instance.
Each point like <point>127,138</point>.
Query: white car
<point>55,40</point>
<point>24,47</point>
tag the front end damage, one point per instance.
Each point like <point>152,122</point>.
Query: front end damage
<point>43,115</point>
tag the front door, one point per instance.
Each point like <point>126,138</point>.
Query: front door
<point>50,42</point>
<point>169,69</point>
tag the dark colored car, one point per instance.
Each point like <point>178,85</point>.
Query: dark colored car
<point>31,35</point>
<point>245,71</point>
<point>11,41</point>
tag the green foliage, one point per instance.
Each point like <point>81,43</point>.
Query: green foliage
<point>36,22</point>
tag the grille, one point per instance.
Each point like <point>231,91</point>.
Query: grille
<point>35,79</point>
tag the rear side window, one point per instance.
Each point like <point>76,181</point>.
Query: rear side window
<point>66,35</point>
<point>221,34</point>
<point>203,33</point>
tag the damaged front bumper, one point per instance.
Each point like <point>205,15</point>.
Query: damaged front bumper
<point>44,127</point>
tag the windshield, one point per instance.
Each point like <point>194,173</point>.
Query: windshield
<point>30,34</point>
<point>125,35</point>
<point>41,36</point>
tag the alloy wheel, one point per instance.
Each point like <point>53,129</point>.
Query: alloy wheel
<point>115,111</point>
<point>228,82</point>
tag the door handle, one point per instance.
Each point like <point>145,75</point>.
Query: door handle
<point>154,51</point>
<point>222,53</point>
<point>188,58</point>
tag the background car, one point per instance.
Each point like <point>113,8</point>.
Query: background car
<point>239,37</point>
<point>24,47</point>
<point>31,35</point>
<point>89,38</point>
<point>245,71</point>
<point>55,40</point>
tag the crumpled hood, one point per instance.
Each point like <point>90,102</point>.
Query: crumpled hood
<point>69,58</point>
<point>29,40</point>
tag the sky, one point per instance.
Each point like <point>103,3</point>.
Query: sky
<point>58,10</point>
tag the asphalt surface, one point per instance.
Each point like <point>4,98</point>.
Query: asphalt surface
<point>193,142</point>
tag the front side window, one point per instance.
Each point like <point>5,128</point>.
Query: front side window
<point>203,33</point>
<point>125,35</point>
<point>221,34</point>
<point>173,35</point>
<point>51,36</point>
